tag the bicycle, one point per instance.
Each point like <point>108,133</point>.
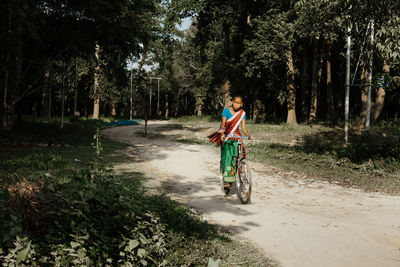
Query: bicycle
<point>243,178</point>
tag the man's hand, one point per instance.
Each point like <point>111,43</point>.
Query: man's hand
<point>251,138</point>
<point>222,137</point>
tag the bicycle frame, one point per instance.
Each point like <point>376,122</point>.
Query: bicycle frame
<point>240,144</point>
<point>240,159</point>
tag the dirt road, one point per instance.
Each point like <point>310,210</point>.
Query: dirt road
<point>296,222</point>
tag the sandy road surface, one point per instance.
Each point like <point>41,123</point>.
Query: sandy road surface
<point>295,222</point>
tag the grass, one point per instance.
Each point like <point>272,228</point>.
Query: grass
<point>370,162</point>
<point>188,119</point>
<point>60,204</point>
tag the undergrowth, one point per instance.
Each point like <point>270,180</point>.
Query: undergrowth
<point>63,206</point>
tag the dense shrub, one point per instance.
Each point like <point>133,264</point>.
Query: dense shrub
<point>93,217</point>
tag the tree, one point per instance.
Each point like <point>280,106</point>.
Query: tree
<point>320,23</point>
<point>270,48</point>
<point>38,33</point>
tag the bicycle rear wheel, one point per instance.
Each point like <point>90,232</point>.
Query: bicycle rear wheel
<point>244,181</point>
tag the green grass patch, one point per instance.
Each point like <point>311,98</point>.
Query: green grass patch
<point>371,161</point>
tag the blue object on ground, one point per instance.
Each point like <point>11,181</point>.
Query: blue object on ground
<point>124,122</point>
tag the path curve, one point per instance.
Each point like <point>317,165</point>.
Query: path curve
<point>297,223</point>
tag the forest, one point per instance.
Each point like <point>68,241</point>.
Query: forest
<point>287,59</point>
<point>320,83</point>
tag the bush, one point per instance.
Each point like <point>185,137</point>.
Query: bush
<point>90,217</point>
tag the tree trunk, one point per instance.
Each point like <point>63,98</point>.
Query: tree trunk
<point>18,76</point>
<point>49,101</point>
<point>138,81</point>
<point>227,84</point>
<point>199,105</point>
<point>227,94</point>
<point>113,110</point>
<point>5,119</point>
<point>291,90</point>
<point>96,106</point>
<point>256,106</point>
<point>76,89</point>
<point>377,106</point>
<point>45,92</point>
<point>305,81</point>
<point>359,124</point>
<point>314,83</point>
<point>176,103</point>
<point>166,106</point>
<point>63,94</point>
<point>330,100</point>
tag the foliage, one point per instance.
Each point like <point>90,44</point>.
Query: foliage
<point>272,39</point>
<point>320,19</point>
<point>63,207</point>
<point>388,45</point>
<point>68,209</point>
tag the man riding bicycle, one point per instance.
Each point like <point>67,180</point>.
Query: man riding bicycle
<point>232,117</point>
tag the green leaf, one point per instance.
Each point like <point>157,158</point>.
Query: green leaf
<point>133,244</point>
<point>143,240</point>
<point>23,253</point>
<point>14,218</point>
<point>74,244</point>
<point>141,252</point>
<point>212,263</point>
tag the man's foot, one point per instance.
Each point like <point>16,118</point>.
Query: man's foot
<point>227,188</point>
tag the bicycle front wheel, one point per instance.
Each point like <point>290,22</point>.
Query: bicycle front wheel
<point>244,181</point>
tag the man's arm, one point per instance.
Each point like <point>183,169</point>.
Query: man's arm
<point>223,123</point>
<point>244,128</point>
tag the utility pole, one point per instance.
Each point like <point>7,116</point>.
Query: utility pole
<point>368,115</point>
<point>131,99</point>
<point>347,97</point>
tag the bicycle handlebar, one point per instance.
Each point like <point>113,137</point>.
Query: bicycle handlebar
<point>237,136</point>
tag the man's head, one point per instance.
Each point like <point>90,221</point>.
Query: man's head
<point>237,103</point>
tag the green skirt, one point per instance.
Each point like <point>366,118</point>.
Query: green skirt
<point>228,159</point>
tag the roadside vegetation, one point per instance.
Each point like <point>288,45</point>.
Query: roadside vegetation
<point>61,204</point>
<point>370,162</point>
